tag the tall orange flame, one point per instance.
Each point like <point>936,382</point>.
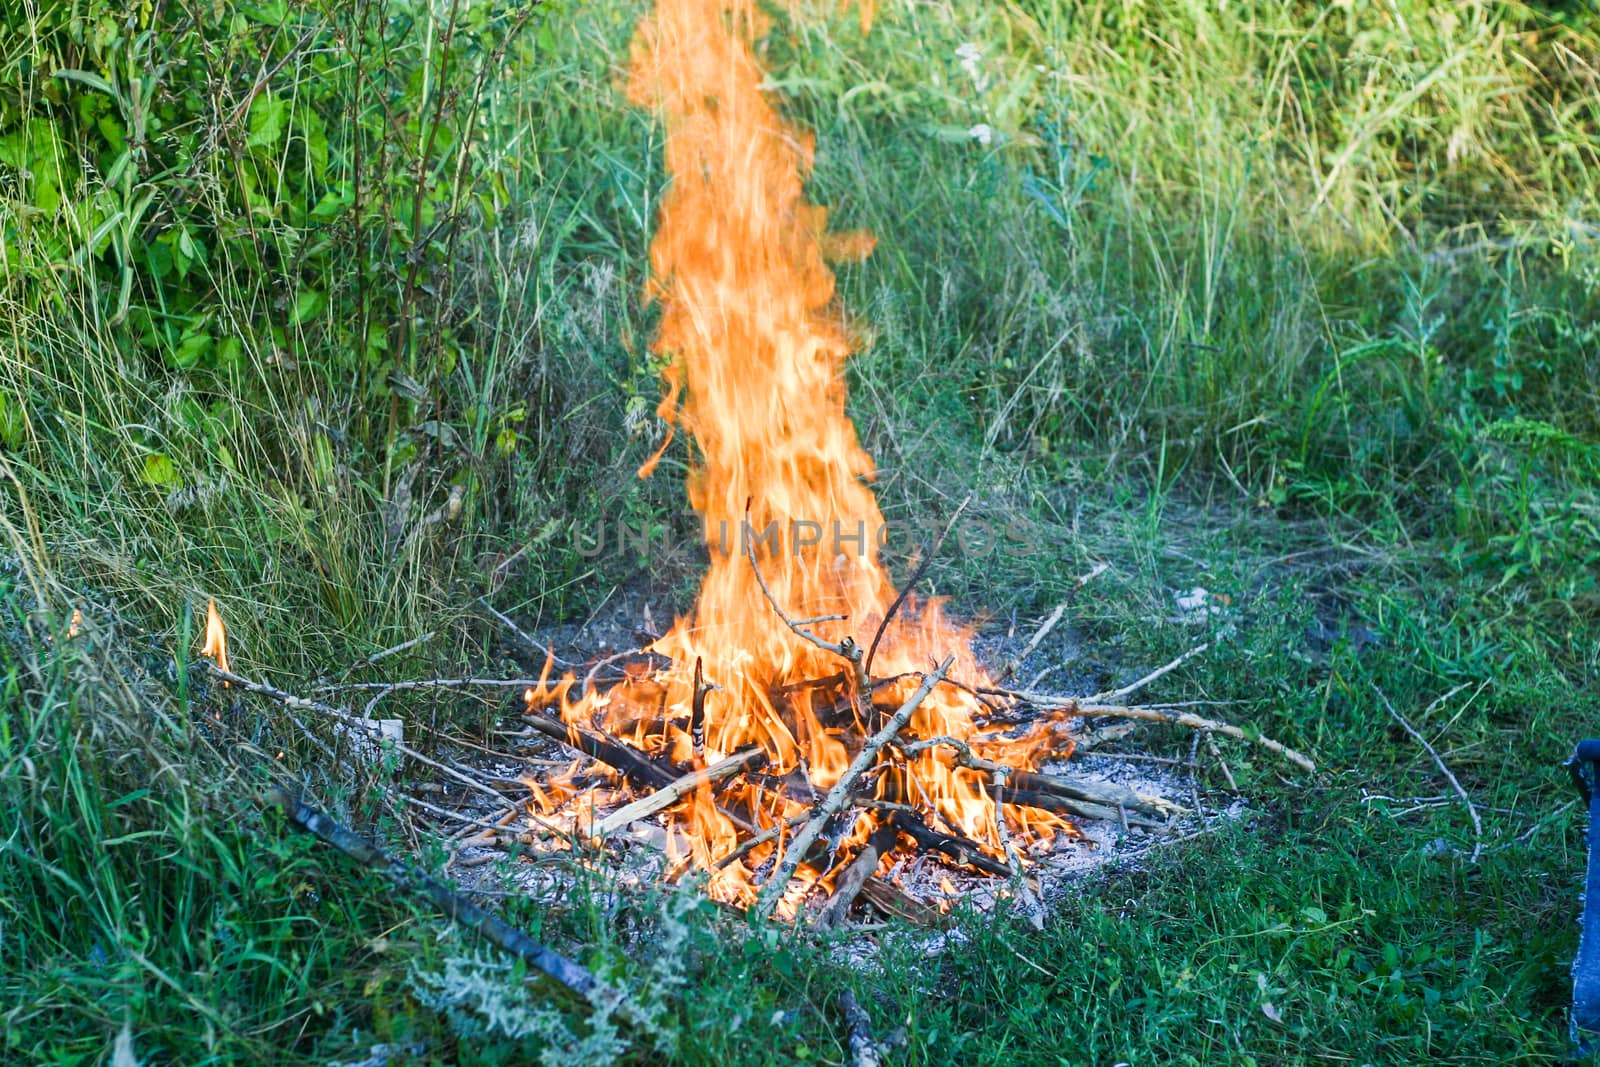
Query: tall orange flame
<point>754,356</point>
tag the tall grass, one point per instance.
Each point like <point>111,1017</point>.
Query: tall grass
<point>1334,266</point>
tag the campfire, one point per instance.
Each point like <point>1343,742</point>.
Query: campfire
<point>804,725</point>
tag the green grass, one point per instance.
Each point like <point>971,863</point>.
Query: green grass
<point>1296,303</point>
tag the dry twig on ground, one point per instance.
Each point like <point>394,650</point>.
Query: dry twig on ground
<point>1472,811</point>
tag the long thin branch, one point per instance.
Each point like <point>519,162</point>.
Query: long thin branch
<point>1104,793</point>
<point>497,930</point>
<point>428,683</point>
<point>355,722</point>
<point>625,759</point>
<point>1477,824</point>
<point>1050,623</point>
<point>750,844</point>
<point>1073,706</point>
<point>517,631</point>
<point>911,582</point>
<point>1133,687</point>
<point>839,795</point>
<point>961,849</point>
<point>848,649</point>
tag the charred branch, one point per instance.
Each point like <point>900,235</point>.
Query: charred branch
<point>856,875</point>
<point>963,850</point>
<point>501,933</point>
<point>697,716</point>
<point>1105,794</point>
<point>628,762</point>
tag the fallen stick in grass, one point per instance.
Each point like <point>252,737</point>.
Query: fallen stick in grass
<point>497,930</point>
<point>1133,687</point>
<point>864,1051</point>
<point>1049,624</point>
<point>1438,761</point>
<point>357,723</point>
<point>839,795</point>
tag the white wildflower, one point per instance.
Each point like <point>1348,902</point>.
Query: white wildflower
<point>983,133</point>
<point>970,55</point>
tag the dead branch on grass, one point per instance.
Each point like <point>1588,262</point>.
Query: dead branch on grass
<point>1438,761</point>
<point>496,930</point>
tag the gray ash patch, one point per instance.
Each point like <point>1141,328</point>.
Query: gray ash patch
<point>544,865</point>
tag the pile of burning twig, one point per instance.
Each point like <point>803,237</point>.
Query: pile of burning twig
<point>805,851</point>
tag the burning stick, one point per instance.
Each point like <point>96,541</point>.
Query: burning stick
<point>747,760</point>
<point>628,762</point>
<point>1071,706</point>
<point>891,901</point>
<point>911,583</point>
<point>961,849</point>
<point>697,716</point>
<point>846,648</point>
<point>835,801</point>
<point>760,839</point>
<point>1102,793</point>
<point>1084,809</point>
<point>497,930</point>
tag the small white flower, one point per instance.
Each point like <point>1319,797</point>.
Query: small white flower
<point>970,54</point>
<point>983,133</point>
